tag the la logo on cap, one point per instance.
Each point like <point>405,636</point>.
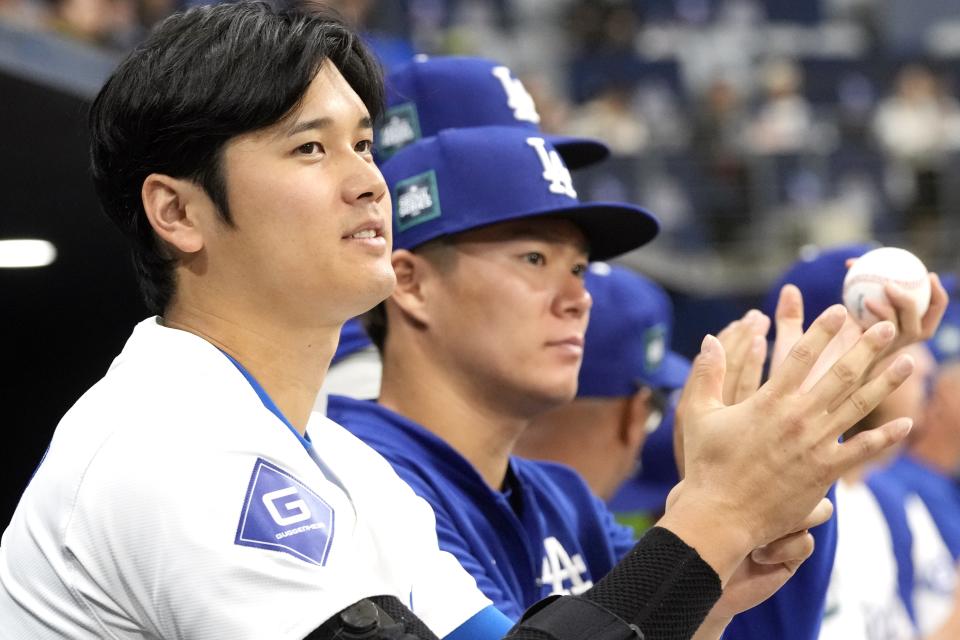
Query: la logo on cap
<point>417,200</point>
<point>518,98</point>
<point>554,171</point>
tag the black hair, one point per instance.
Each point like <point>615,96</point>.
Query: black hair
<point>200,78</point>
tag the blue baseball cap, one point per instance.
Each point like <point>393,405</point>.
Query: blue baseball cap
<point>819,275</point>
<point>628,337</point>
<point>945,343</point>
<point>646,491</point>
<point>429,95</point>
<point>462,179</point>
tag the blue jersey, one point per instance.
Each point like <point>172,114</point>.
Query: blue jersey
<point>547,532</point>
<point>796,610</point>
<point>544,533</point>
<point>938,491</point>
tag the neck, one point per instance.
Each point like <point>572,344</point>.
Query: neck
<point>481,431</point>
<point>289,363</point>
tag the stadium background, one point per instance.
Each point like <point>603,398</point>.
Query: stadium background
<point>754,129</point>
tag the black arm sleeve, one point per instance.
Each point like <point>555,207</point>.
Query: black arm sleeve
<point>661,590</point>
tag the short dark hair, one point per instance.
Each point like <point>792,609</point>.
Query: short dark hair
<point>200,78</point>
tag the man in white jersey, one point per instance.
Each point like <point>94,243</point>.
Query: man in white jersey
<point>189,493</point>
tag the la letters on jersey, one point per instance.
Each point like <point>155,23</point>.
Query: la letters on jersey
<point>283,514</point>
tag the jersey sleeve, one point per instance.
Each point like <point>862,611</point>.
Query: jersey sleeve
<point>796,610</point>
<point>444,588</point>
<point>453,542</point>
<point>167,532</point>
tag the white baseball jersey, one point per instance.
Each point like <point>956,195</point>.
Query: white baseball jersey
<point>935,577</point>
<point>862,601</point>
<point>172,503</point>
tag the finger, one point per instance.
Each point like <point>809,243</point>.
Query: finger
<point>846,374</point>
<point>938,305</point>
<point>789,323</point>
<point>752,371</point>
<point>793,548</point>
<point>820,514</point>
<point>862,401</point>
<point>867,444</point>
<point>732,338</point>
<point>908,311</point>
<point>882,310</point>
<point>802,356</point>
<point>737,349</point>
<point>704,388</point>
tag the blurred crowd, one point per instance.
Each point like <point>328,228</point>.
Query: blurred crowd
<point>734,120</point>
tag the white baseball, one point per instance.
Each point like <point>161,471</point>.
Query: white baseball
<point>866,278</point>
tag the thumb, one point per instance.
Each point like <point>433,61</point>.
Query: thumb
<point>704,388</point>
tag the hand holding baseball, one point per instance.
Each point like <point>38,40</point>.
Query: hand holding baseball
<point>760,466</point>
<point>893,284</point>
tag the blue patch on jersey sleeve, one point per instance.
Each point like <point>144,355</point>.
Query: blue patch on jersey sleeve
<point>283,514</point>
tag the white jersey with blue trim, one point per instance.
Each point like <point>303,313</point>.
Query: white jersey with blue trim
<point>863,599</point>
<point>174,503</point>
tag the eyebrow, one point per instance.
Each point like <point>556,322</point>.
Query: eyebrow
<point>321,123</point>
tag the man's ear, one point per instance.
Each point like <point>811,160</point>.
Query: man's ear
<point>413,274</point>
<point>633,430</point>
<point>171,205</point>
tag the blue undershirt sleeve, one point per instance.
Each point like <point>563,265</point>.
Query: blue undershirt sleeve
<point>486,624</point>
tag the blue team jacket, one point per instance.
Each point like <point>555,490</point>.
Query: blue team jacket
<point>548,530</point>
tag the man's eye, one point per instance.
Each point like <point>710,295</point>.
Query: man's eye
<point>535,257</point>
<point>364,146</point>
<point>310,148</point>
<point>580,270</point>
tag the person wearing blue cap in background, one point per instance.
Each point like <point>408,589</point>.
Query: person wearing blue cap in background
<point>627,378</point>
<point>484,333</point>
<point>873,590</point>
<point>423,97</point>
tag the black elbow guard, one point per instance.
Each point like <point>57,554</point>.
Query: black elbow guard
<point>376,618</point>
<point>572,618</point>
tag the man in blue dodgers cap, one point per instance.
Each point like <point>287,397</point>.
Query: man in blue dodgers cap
<point>485,332</point>
<point>625,397</point>
<point>424,97</point>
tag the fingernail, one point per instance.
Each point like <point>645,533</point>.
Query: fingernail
<point>903,427</point>
<point>757,344</point>
<point>903,366</point>
<point>708,345</point>
<point>837,314</point>
<point>886,330</point>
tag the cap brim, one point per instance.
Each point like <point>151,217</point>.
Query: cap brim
<point>611,228</point>
<point>578,153</point>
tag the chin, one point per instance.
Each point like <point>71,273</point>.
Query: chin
<point>373,291</point>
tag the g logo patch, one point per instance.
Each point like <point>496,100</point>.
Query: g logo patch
<point>298,507</point>
<point>283,514</point>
